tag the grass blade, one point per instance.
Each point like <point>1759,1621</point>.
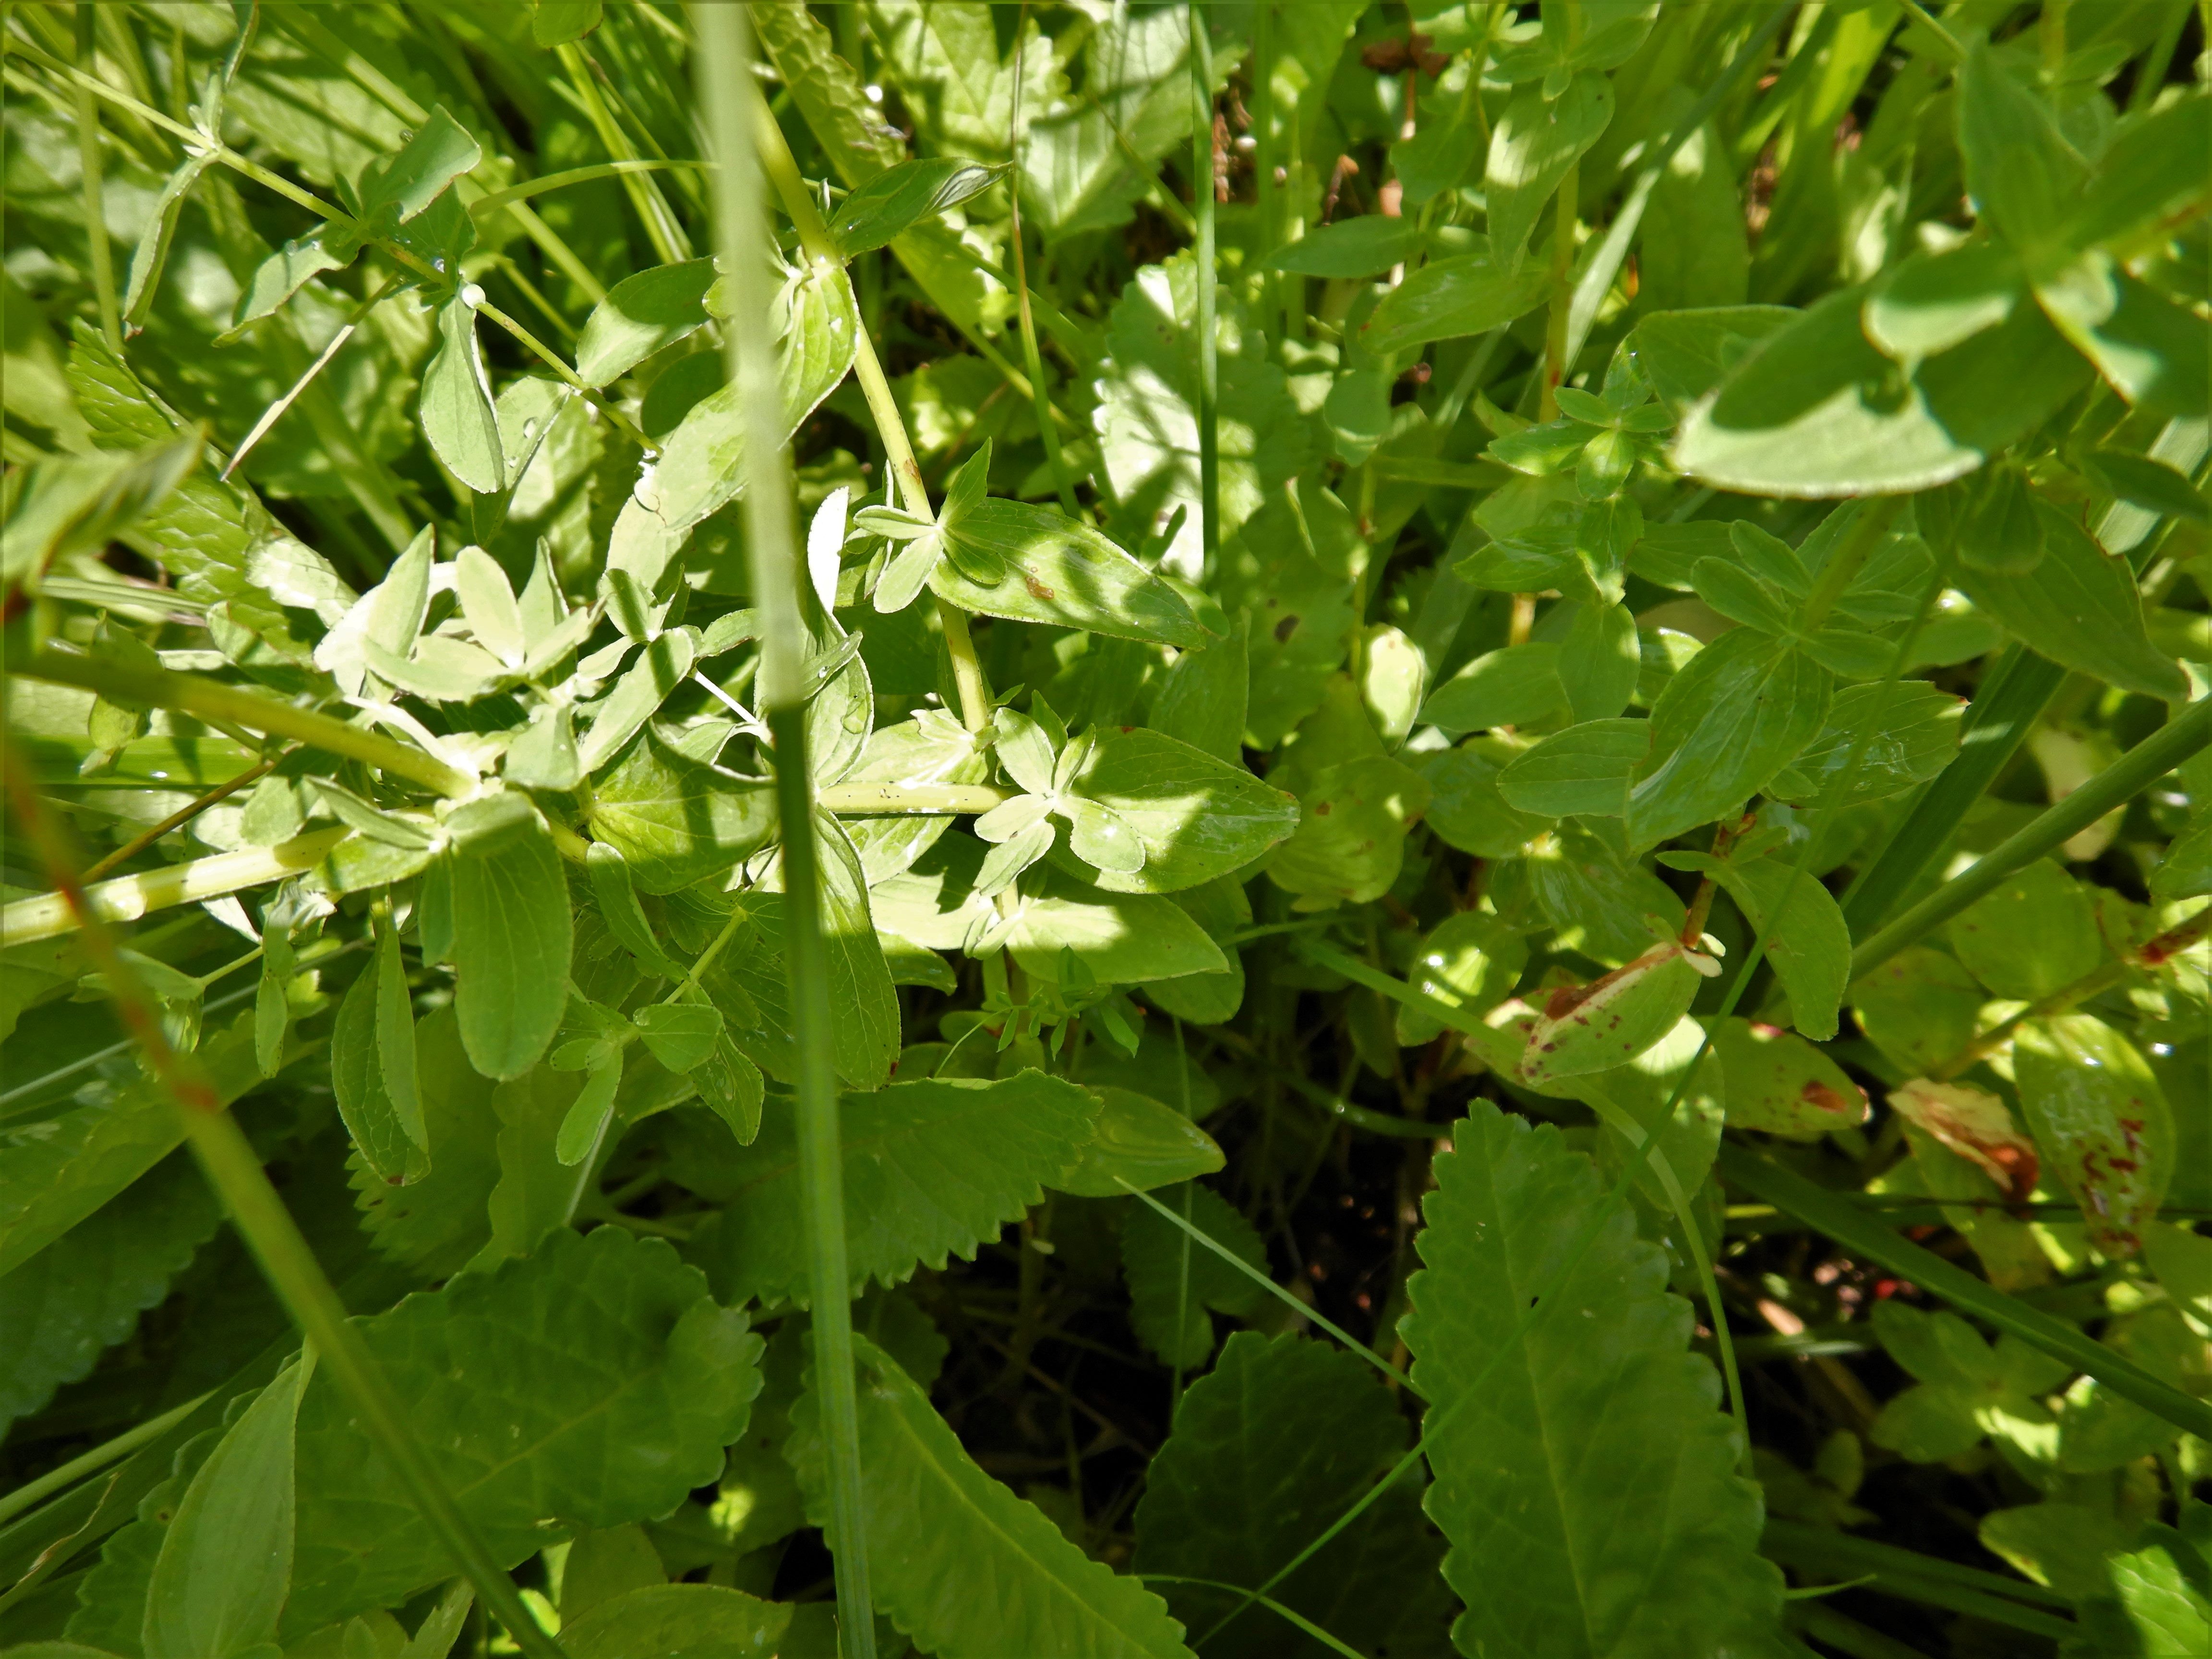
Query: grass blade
<point>1866,1235</point>
<point>2117,784</point>
<point>725,46</point>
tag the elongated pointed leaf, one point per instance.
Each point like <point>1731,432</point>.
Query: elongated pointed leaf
<point>938,1527</point>
<point>226,1561</point>
<point>1588,1487</point>
<point>513,936</point>
<point>641,314</point>
<point>1743,709</point>
<point>458,418</point>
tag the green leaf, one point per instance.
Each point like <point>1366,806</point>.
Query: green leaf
<point>1587,1489</point>
<point>1930,304</point>
<point>677,1621</point>
<point>64,1167</point>
<point>225,1562</point>
<point>458,418</point>
<point>2160,1600</point>
<point>74,503</point>
<point>1468,960</point>
<point>681,1036</point>
<point>625,917</point>
<point>933,747</point>
<point>1743,709</point>
<point>1694,250</point>
<point>2148,174</point>
<point>1146,417</point>
<point>1778,1084</point>
<point>1586,1029</point>
<point>2031,934</point>
<point>1685,355</point>
<point>2148,348</point>
<point>292,267</point>
<point>1466,810</point>
<point>2080,608</point>
<point>1204,701</point>
<point>641,314</point>
<point>1511,686</point>
<point>1364,247</point>
<point>437,1221</point>
<point>84,1291</point>
<point>897,199</point>
<point>583,1125</point>
<point>1808,941</point>
<point>1174,1280</point>
<point>591,1383</point>
<point>1278,1439</point>
<point>554,22</point>
<point>513,936</point>
<point>394,189</point>
<point>674,820</point>
<point>1197,816</point>
<point>1602,904</point>
<point>1447,299</point>
<point>1063,574</point>
<point>1542,132</point>
<point>1817,410</point>
<point>1585,770</point>
<point>2023,174</point>
<point>930,1167</point>
<point>1917,737</point>
<point>937,1526</point>
<point>367,1094</point>
<point>2101,1120</point>
<point>636,696</point>
<point>1140,1141</point>
<point>1350,839</point>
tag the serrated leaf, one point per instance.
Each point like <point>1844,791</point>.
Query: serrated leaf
<point>1588,1487</point>
<point>931,1167</point>
<point>641,314</point>
<point>937,1526</point>
<point>60,1168</point>
<point>591,1383</point>
<point>1274,1443</point>
<point>512,938</point>
<point>1174,1280</point>
<point>225,1561</point>
<point>84,1292</point>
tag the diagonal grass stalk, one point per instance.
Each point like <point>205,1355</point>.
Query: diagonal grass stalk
<point>98,249</point>
<point>724,65</point>
<point>2117,784</point>
<point>234,1170</point>
<point>1031,357</point>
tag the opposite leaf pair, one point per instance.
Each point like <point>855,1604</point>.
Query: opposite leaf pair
<point>1022,829</point>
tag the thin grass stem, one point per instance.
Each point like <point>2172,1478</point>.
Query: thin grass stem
<point>1202,174</point>
<point>723,60</point>
<point>98,250</point>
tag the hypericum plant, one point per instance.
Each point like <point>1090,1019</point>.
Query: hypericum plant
<point>1106,828</point>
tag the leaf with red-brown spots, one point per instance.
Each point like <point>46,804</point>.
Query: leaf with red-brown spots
<point>2101,1120</point>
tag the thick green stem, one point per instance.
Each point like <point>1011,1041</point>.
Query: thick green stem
<point>97,248</point>
<point>725,89</point>
<point>1209,368</point>
<point>234,1170</point>
<point>862,800</point>
<point>127,898</point>
<point>2117,784</point>
<point>211,700</point>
